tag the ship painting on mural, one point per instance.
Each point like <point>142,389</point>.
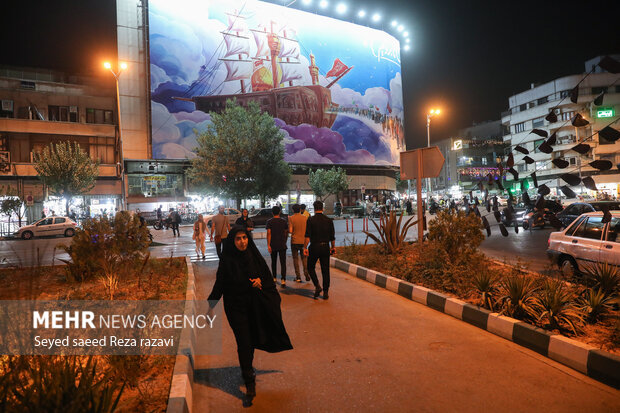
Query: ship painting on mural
<point>258,56</point>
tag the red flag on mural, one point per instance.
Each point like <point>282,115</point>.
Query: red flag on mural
<point>389,109</point>
<point>338,69</point>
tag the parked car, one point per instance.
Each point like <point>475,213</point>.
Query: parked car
<point>232,214</point>
<point>47,227</point>
<point>571,212</point>
<point>261,216</point>
<point>586,241</point>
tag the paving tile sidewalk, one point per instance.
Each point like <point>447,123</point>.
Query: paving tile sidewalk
<point>369,350</point>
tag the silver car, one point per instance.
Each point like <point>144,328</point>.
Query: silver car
<point>48,226</point>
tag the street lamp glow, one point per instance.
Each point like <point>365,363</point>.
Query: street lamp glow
<point>394,23</point>
<point>408,40</point>
<point>406,47</point>
<point>406,34</point>
<point>401,28</point>
<point>123,65</point>
<point>341,8</point>
<point>307,2</point>
<point>107,65</point>
<point>323,4</point>
<point>361,13</point>
<point>376,17</point>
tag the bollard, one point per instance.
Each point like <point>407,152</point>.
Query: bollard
<point>352,230</point>
<point>347,224</point>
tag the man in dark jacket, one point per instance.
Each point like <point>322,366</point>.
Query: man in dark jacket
<point>175,220</point>
<point>319,234</point>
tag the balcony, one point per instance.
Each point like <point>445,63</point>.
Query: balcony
<point>56,128</point>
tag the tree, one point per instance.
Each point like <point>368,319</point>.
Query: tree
<point>241,155</point>
<point>401,185</point>
<point>326,182</point>
<point>12,204</point>
<point>66,169</point>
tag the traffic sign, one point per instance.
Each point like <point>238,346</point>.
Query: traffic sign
<point>29,200</point>
<point>432,162</point>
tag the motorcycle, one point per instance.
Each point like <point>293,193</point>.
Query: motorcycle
<point>159,224</point>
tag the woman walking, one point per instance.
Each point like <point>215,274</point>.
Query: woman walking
<point>251,302</point>
<point>200,235</point>
<point>244,221</point>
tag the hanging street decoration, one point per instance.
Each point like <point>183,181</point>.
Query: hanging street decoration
<point>601,164</point>
<point>568,192</point>
<point>610,65</point>
<point>609,134</point>
<point>574,94</point>
<point>528,160</point>
<point>571,179</point>
<point>521,149</point>
<point>545,147</point>
<point>582,148</point>
<point>534,179</point>
<point>598,101</point>
<point>551,117</point>
<point>560,163</point>
<point>544,190</point>
<point>578,121</point>
<point>514,173</point>
<point>552,139</point>
<point>589,183</point>
<point>540,132</point>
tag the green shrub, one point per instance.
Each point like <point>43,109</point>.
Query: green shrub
<point>58,384</point>
<point>457,233</point>
<point>603,276</point>
<point>485,285</point>
<point>107,248</point>
<point>519,297</point>
<point>391,234</point>
<point>557,307</point>
<point>594,304</point>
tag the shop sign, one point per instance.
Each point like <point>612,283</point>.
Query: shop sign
<point>605,113</point>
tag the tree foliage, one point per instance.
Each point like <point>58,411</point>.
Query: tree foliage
<point>12,204</point>
<point>401,185</point>
<point>66,169</point>
<point>326,182</point>
<point>241,154</point>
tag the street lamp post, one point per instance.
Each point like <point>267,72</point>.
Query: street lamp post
<point>117,74</point>
<point>429,115</point>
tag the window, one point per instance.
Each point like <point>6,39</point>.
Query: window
<point>102,149</point>
<point>543,100</point>
<point>564,94</point>
<point>46,221</point>
<point>599,90</point>
<point>575,225</point>
<point>58,113</point>
<point>541,165</point>
<point>59,221</point>
<point>538,122</point>
<point>484,160</point>
<point>572,161</point>
<point>523,107</point>
<point>531,104</point>
<point>614,230</point>
<point>519,127</point>
<point>537,143</point>
<point>567,115</point>
<point>522,167</point>
<point>99,116</point>
<point>593,229</point>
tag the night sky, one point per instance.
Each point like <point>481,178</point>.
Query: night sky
<point>467,57</point>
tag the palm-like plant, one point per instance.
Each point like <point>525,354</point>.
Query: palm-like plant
<point>485,285</point>
<point>558,308</point>
<point>594,303</point>
<point>519,297</point>
<point>391,234</point>
<point>603,276</point>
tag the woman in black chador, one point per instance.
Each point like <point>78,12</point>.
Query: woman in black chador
<point>251,302</point>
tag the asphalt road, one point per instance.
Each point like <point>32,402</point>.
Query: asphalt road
<point>526,247</point>
<point>369,350</point>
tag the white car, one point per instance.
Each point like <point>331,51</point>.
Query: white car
<point>231,213</point>
<point>47,227</point>
<point>588,240</point>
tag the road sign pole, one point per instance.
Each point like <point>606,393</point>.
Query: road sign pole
<point>418,182</point>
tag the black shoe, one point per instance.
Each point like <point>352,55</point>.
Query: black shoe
<point>325,296</point>
<point>251,390</point>
<point>317,292</point>
<point>203,257</point>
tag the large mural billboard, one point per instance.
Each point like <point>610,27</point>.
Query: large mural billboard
<point>333,87</point>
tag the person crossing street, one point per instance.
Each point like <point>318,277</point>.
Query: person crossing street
<point>297,228</point>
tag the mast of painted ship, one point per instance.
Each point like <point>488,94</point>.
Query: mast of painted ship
<point>237,44</point>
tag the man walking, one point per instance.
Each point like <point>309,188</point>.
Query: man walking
<point>297,228</point>
<point>175,220</point>
<point>319,233</point>
<point>277,233</point>
<point>304,212</point>
<point>220,227</point>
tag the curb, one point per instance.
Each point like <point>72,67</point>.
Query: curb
<point>595,363</point>
<point>180,396</point>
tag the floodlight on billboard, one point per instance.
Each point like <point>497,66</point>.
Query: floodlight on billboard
<point>333,87</point>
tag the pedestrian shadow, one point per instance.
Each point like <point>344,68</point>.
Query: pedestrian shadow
<point>226,379</point>
<point>304,292</point>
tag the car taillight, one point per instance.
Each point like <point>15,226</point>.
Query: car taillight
<point>73,223</point>
<point>549,243</point>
